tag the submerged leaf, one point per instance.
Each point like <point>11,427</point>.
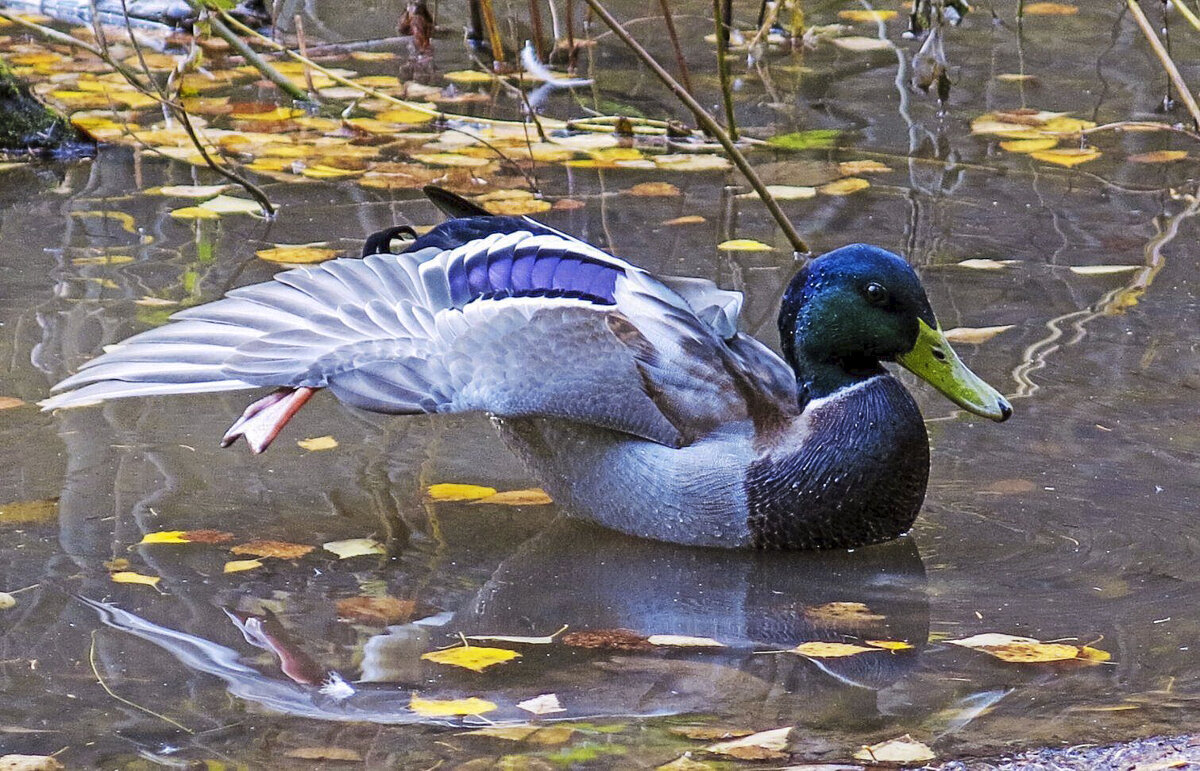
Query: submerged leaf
<point>860,44</point>
<point>816,139</point>
<point>355,547</point>
<point>189,191</point>
<point>376,610</point>
<point>607,639</point>
<point>902,750</point>
<point>278,549</point>
<point>229,204</point>
<point>300,254</point>
<point>473,657</point>
<point>546,735</point>
<point>28,512</point>
<point>1159,156</point>
<point>744,245</point>
<point>1103,270</point>
<point>687,219</point>
<point>844,186</point>
<point>237,566</point>
<point>861,15</point>
<point>344,754</point>
<point>130,577</point>
<point>318,443</point>
<point>7,601</point>
<point>830,650</point>
<point>654,190</point>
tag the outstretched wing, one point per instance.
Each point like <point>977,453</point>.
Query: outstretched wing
<point>522,321</point>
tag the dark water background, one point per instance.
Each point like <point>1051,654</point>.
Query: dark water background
<point>1075,520</point>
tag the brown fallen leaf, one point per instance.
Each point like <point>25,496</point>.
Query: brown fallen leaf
<point>687,219</point>
<point>1159,156</point>
<point>569,204</point>
<point>853,168</point>
<point>842,613</point>
<point>376,610</point>
<point>607,639</point>
<point>344,754</point>
<point>8,402</point>
<point>279,549</point>
<point>28,512</point>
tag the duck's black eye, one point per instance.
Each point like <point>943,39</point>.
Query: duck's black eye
<point>875,293</point>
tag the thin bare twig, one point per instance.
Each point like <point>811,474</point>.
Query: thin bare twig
<point>709,125</point>
<point>680,62</point>
<point>1164,59</point>
<point>122,699</point>
<point>719,19</point>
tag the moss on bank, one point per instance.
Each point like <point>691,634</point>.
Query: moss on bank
<point>28,126</point>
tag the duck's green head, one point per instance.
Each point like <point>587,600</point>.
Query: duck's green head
<point>850,309</point>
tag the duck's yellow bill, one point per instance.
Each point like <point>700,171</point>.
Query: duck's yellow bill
<point>934,361</point>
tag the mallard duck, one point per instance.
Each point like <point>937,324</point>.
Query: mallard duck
<point>633,397</point>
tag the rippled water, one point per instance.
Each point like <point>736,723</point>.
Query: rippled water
<point>1075,520</point>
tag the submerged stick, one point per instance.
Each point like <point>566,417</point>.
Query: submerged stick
<point>708,124</point>
<point>1164,59</point>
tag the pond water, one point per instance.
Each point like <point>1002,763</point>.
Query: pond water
<point>1074,521</point>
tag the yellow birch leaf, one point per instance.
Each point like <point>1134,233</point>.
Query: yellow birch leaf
<point>534,496</point>
<point>653,190</point>
<point>545,735</point>
<point>617,154</point>
<point>903,750</point>
<point>786,192</point>
<point>466,77</point>
<point>1095,655</point>
<point>378,81</point>
<point>744,245</point>
<point>318,443</point>
<point>844,186</point>
<point>129,577</point>
<point>126,221</point>
<point>859,15</point>
<point>297,255</point>
<point>449,707</point>
<point>859,44</point>
<point>1024,650</point>
<point>687,219</point>
<point>373,125</point>
<point>103,259</point>
<point>691,162</point>
<point>975,335</point>
<point>321,171</point>
<point>450,159</point>
<point>473,657</point>
<point>1159,156</point>
<point>891,645</point>
<point>1063,124</point>
<point>517,207</point>
<point>237,566</point>
<point>829,650</point>
<point>851,168</point>
<point>165,536</point>
<point>354,547</point>
<point>405,115</point>
<point>1014,77</point>
<point>1067,156</point>
<point>447,491</point>
<point>764,745</point>
<point>194,213</point>
<point>1028,145</point>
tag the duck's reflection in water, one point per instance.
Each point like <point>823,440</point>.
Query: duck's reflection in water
<point>757,605</point>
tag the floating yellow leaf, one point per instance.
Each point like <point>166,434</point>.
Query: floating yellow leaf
<point>372,56</point>
<point>744,245</point>
<point>186,536</point>
<point>1028,145</point>
<point>516,207</point>
<point>450,159</point>
<point>787,192</point>
<point>464,77</point>
<point>338,754</point>
<point>8,402</point>
<point>318,443</point>
<point>1063,124</point>
<point>473,657</point>
<point>1159,156</point>
<point>274,115</point>
<point>534,496</point>
<point>842,613</point>
<point>283,550</point>
<point>355,547</point>
<point>228,204</point>
<point>975,335</point>
<point>194,213</point>
<point>829,650</point>
<point>378,81</point>
<point>891,645</point>
<point>129,577</point>
<point>321,171</point>
<point>28,512</point>
<point>687,219</point>
<point>126,221</point>
<point>1026,650</point>
<point>1067,156</point>
<point>299,254</point>
<point>1050,9</point>
<point>447,491</point>
<point>844,186</point>
<point>405,115</point>
<point>1103,270</point>
<point>373,125</point>
<point>683,641</point>
<point>903,750</point>
<point>237,566</point>
<point>103,259</point>
<point>449,707</point>
<point>859,15</point>
<point>764,745</point>
<point>1014,77</point>
<point>860,44</point>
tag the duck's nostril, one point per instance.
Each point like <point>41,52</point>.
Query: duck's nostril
<point>1006,409</point>
<point>939,354</point>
